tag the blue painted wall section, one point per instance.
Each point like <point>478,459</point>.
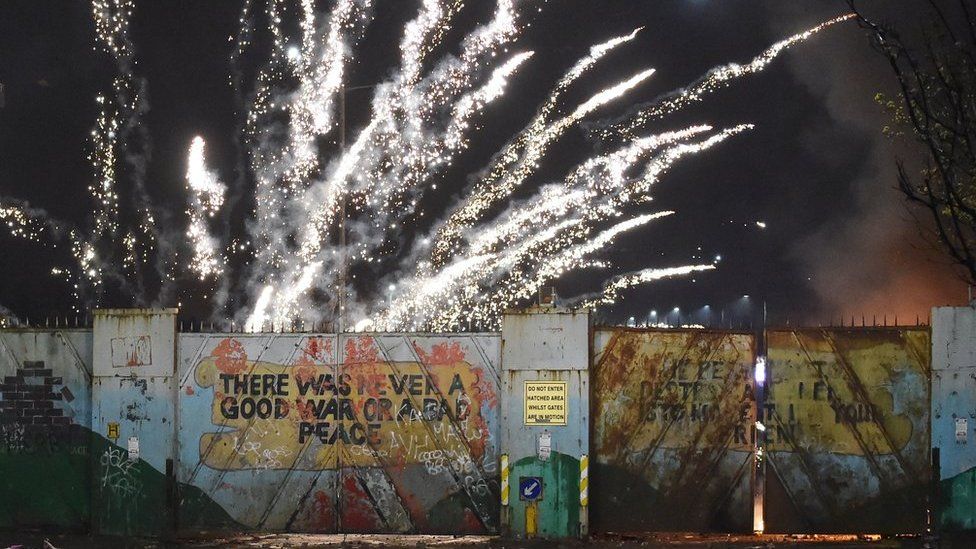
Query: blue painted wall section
<point>954,415</point>
<point>133,418</point>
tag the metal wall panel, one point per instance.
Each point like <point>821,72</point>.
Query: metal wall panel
<point>350,433</point>
<point>848,430</point>
<point>133,411</point>
<point>45,416</point>
<point>672,441</point>
<point>546,345</point>
<point>954,414</point>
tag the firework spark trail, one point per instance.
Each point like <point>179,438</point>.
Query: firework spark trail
<point>715,79</point>
<point>495,270</point>
<point>492,251</point>
<point>206,198</point>
<point>502,267</point>
<point>281,171</point>
<point>28,223</point>
<point>603,174</point>
<point>420,35</point>
<point>613,287</point>
<point>406,151</point>
<point>313,109</point>
<point>120,144</point>
<point>520,157</point>
<point>495,189</point>
<point>540,265</point>
<point>402,158</point>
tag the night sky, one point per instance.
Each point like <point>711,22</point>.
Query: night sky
<point>839,238</point>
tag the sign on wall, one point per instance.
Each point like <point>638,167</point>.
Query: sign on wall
<point>545,403</point>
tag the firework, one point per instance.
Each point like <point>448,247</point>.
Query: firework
<point>206,198</point>
<point>326,209</point>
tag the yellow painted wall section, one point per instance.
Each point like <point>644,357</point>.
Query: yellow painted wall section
<point>846,392</point>
<point>671,389</point>
<point>297,416</point>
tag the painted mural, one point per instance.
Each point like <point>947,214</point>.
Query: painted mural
<point>673,415</point>
<point>848,429</point>
<point>372,432</point>
<point>44,438</point>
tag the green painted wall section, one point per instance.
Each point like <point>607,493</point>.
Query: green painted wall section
<point>958,495</point>
<point>46,488</point>
<point>129,498</point>
<point>83,483</point>
<point>558,512</point>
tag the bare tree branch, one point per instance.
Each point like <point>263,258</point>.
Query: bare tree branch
<point>937,84</point>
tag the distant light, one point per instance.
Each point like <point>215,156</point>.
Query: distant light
<point>760,426</point>
<point>392,287</point>
<point>707,307</point>
<point>761,224</point>
<point>676,309</point>
<point>761,369</point>
<point>745,296</point>
<point>718,258</point>
<point>293,53</point>
<point>653,313</point>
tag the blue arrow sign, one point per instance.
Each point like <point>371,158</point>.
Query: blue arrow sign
<point>530,488</point>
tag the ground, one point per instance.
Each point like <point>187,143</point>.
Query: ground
<point>643,541</point>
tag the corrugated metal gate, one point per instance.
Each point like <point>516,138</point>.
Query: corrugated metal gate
<point>357,433</point>
<point>848,436</point>
<point>672,441</point>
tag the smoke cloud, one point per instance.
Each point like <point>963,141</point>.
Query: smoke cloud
<point>869,258</point>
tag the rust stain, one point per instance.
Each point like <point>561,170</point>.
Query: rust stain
<point>441,353</point>
<point>357,511</point>
<point>361,349</point>
<point>840,387</point>
<point>671,390</point>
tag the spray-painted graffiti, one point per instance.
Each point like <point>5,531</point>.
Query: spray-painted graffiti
<point>118,475</point>
<point>288,416</point>
<point>128,352</point>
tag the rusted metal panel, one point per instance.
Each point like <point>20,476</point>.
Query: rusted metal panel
<point>954,415</point>
<point>672,420</point>
<point>847,412</point>
<point>349,433</point>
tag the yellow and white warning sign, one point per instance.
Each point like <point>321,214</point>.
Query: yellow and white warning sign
<point>545,403</point>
